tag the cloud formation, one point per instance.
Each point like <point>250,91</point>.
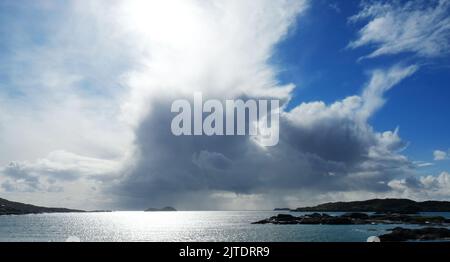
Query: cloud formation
<point>440,155</point>
<point>60,100</point>
<point>97,96</point>
<point>423,187</point>
<point>393,27</point>
<point>323,148</point>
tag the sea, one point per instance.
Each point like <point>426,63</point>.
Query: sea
<point>179,226</point>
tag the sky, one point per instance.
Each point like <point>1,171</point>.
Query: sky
<point>86,89</point>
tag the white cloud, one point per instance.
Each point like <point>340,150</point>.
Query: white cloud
<point>60,98</point>
<point>356,107</point>
<point>422,164</point>
<point>419,27</point>
<point>62,92</point>
<point>381,82</point>
<point>440,155</point>
<point>59,166</point>
<point>60,179</point>
<point>228,42</point>
<point>423,187</point>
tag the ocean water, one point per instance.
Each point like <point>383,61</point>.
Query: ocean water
<point>233,226</point>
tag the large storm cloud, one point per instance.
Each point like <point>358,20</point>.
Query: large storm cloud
<point>323,148</point>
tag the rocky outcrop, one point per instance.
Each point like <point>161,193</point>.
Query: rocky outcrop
<point>15,208</point>
<point>355,219</point>
<point>152,209</point>
<point>423,234</point>
<point>311,219</point>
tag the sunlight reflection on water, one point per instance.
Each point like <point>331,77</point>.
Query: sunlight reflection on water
<point>173,226</point>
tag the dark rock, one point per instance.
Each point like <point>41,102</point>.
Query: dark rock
<point>403,234</point>
<point>310,220</point>
<point>314,215</point>
<point>284,217</point>
<point>262,222</point>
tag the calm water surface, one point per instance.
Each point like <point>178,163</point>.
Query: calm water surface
<point>176,226</point>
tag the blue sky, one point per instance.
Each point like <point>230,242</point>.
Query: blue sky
<point>323,68</point>
<point>86,88</point>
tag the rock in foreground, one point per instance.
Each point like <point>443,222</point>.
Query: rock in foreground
<point>423,234</point>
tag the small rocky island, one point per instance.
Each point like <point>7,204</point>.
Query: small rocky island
<point>15,208</point>
<point>164,209</point>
